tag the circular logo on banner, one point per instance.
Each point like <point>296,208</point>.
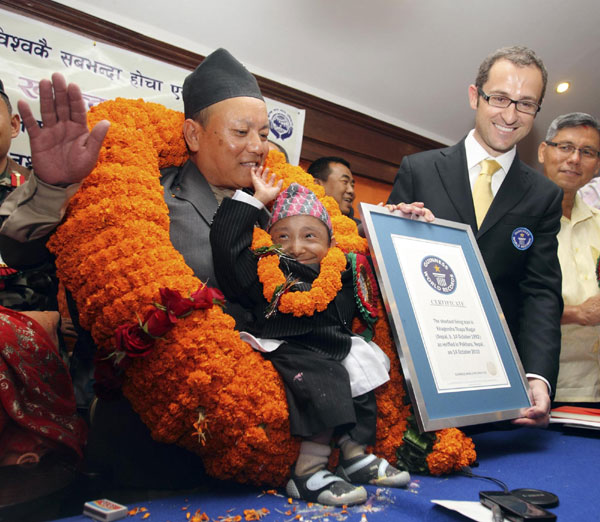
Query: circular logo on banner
<point>280,123</point>
<point>522,238</point>
<point>438,274</point>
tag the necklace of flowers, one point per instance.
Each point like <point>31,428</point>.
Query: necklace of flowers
<point>276,285</point>
<point>135,340</point>
<point>365,292</point>
<point>120,210</point>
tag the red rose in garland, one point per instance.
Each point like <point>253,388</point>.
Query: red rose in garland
<point>205,297</point>
<point>158,322</point>
<point>133,341</point>
<point>175,303</point>
<point>108,379</point>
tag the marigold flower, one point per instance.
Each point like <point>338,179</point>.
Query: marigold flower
<point>113,253</point>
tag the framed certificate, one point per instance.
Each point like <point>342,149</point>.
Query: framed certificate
<point>460,364</point>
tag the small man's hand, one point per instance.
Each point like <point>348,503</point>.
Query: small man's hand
<point>63,151</point>
<point>410,210</point>
<point>265,188</point>
<point>538,415</point>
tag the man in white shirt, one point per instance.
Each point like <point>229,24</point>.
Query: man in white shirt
<point>570,156</point>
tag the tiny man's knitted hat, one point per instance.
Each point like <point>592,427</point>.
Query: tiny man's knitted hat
<point>219,77</point>
<point>297,200</point>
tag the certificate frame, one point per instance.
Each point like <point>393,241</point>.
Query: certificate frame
<point>453,377</point>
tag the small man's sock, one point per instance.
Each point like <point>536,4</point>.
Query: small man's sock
<point>313,457</point>
<point>350,448</point>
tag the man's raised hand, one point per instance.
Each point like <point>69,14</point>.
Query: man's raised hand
<point>63,151</point>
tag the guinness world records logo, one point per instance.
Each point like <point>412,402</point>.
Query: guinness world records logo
<point>438,274</point>
<point>522,238</point>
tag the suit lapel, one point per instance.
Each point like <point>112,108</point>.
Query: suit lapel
<point>452,169</point>
<point>513,189</point>
<point>192,187</point>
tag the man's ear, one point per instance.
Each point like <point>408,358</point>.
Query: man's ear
<point>318,181</point>
<point>15,125</point>
<point>333,242</point>
<point>541,150</point>
<point>473,97</point>
<point>191,134</point>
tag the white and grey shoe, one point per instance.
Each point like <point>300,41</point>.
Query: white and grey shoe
<point>325,488</point>
<point>369,469</point>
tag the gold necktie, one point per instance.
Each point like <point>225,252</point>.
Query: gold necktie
<point>482,190</point>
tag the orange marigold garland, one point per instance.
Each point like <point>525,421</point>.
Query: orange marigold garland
<point>435,452</point>
<point>217,396</point>
<point>452,450</point>
<point>323,290</point>
<point>114,254</point>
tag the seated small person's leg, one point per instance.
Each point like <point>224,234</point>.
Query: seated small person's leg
<point>358,467</point>
<point>311,481</point>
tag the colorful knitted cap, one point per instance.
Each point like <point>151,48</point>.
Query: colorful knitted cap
<point>297,200</point>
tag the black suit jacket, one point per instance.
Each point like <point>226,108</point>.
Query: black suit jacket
<point>527,282</point>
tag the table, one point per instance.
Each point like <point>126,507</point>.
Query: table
<point>561,460</point>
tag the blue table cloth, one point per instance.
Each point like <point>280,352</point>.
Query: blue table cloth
<point>563,461</point>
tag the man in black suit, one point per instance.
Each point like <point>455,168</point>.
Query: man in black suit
<point>516,232</point>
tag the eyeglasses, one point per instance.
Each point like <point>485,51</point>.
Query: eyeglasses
<point>568,149</point>
<point>499,100</point>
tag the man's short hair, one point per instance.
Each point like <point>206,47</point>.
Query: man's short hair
<point>202,116</point>
<point>320,169</point>
<point>518,55</point>
<point>4,97</point>
<point>7,101</point>
<point>573,119</point>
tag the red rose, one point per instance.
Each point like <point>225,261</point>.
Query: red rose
<point>205,297</point>
<point>107,379</point>
<point>175,303</point>
<point>158,322</point>
<point>131,339</point>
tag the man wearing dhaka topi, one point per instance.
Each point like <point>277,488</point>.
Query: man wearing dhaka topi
<point>226,128</point>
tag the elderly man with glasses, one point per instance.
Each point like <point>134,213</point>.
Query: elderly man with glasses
<point>571,158</point>
<point>513,210</point>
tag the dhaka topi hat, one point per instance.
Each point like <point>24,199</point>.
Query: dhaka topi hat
<point>219,77</point>
<point>297,200</point>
